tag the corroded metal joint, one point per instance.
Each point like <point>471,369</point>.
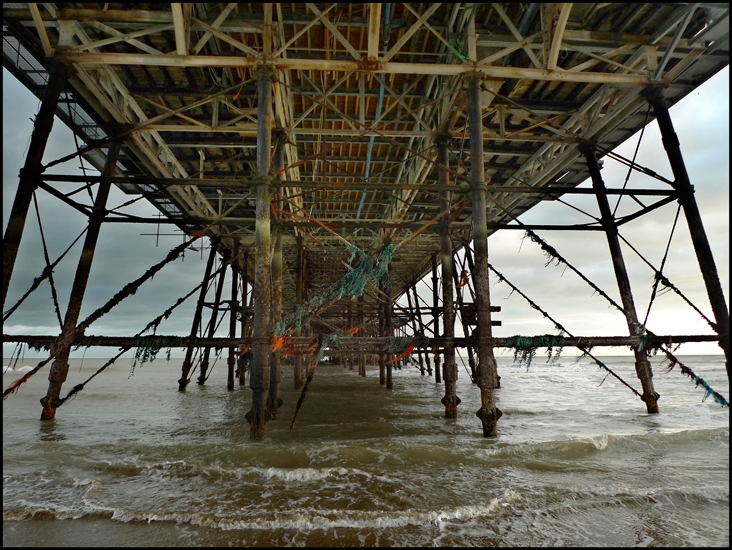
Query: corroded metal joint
<point>368,65</point>
<point>451,401</point>
<point>647,397</point>
<point>488,416</point>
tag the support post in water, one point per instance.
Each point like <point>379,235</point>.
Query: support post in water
<point>693,219</point>
<point>449,372</point>
<point>382,332</point>
<point>259,370</point>
<point>60,367</point>
<point>435,317</point>
<point>187,362</point>
<point>487,369</point>
<point>245,323</point>
<point>642,366</point>
<point>299,294</point>
<point>31,171</point>
<point>362,334</point>
<point>233,307</point>
<point>211,328</point>
<point>274,401</point>
<point>389,327</point>
<point>469,349</point>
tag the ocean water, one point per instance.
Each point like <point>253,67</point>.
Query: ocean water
<point>577,462</point>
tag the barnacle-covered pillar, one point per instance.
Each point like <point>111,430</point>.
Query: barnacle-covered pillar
<point>187,361</point>
<point>259,370</point>
<point>31,171</point>
<point>487,369</point>
<point>642,366</point>
<point>449,369</point>
<point>60,367</point>
<point>693,219</point>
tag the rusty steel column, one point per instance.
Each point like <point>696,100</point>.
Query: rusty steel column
<point>449,373</point>
<point>487,369</point>
<point>60,367</point>
<point>274,402</point>
<point>299,293</point>
<point>186,367</point>
<point>244,316</point>
<point>693,219</point>
<point>362,334</point>
<point>259,370</point>
<point>382,332</point>
<point>435,318</point>
<point>233,307</point>
<point>389,331</point>
<point>642,366</point>
<point>211,329</point>
<point>31,171</point>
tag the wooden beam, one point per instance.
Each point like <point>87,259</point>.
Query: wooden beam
<point>332,28</point>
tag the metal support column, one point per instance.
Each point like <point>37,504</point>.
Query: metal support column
<point>362,334</point>
<point>233,308</point>
<point>413,322</point>
<point>259,370</point>
<point>487,369</point>
<point>31,170</point>
<point>382,332</point>
<point>211,328</point>
<point>449,373</point>
<point>274,402</point>
<point>388,325</point>
<point>299,293</point>
<point>186,367</point>
<point>693,219</point>
<point>245,324</point>
<point>642,366</point>
<point>435,317</point>
<point>60,367</point>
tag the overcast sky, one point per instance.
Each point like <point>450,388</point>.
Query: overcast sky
<point>702,124</point>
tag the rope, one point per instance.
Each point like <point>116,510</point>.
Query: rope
<point>708,390</point>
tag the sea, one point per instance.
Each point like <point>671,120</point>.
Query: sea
<point>131,461</point>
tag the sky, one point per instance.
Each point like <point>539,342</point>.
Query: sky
<point>126,251</point>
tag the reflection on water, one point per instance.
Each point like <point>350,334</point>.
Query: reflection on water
<point>136,462</point>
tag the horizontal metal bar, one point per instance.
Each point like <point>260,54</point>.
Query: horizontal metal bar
<point>347,343</point>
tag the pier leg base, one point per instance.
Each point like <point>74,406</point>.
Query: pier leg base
<point>489,419</point>
<point>273,407</point>
<point>451,402</point>
<point>651,401</point>
<point>258,423</point>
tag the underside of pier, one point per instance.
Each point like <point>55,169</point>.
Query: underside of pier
<point>334,155</point>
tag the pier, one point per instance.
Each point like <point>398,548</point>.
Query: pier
<point>331,157</point>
